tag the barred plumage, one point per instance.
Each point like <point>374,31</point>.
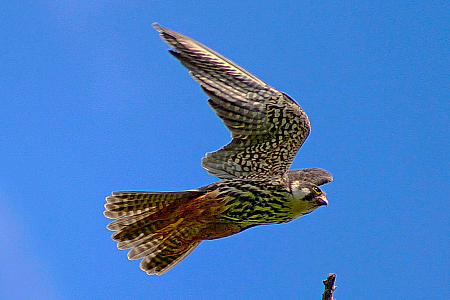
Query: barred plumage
<point>267,129</point>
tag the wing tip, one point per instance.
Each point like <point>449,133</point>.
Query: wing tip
<point>158,27</point>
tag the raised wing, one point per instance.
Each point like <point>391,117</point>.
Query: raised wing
<point>267,126</point>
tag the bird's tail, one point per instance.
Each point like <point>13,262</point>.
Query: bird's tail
<point>150,224</point>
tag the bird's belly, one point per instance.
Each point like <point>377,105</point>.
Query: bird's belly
<point>212,231</point>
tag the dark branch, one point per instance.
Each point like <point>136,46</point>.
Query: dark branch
<point>329,287</point>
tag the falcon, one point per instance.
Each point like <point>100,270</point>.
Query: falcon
<point>256,186</point>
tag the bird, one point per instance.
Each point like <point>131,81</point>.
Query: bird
<point>255,187</point>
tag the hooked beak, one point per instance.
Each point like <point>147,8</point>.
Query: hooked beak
<point>323,200</point>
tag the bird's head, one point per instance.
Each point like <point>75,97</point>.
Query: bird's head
<point>304,184</point>
<point>306,197</point>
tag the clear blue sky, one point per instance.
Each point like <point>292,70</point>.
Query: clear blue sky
<point>91,102</point>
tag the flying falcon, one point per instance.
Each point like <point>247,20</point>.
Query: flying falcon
<point>256,188</point>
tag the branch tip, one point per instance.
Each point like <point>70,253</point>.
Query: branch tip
<point>329,287</point>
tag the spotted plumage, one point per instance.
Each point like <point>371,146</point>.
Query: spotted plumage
<point>256,188</point>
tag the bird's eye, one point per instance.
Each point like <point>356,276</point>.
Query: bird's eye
<point>317,190</point>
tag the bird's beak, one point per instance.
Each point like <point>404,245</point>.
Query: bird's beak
<point>323,200</point>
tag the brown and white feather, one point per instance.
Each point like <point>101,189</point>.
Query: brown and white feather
<point>267,126</point>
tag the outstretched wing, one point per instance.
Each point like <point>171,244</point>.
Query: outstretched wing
<point>267,126</point>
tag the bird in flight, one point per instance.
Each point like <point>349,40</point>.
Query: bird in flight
<point>256,186</point>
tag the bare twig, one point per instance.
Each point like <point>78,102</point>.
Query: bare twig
<point>329,287</point>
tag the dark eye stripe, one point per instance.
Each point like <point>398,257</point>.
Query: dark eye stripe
<point>308,197</point>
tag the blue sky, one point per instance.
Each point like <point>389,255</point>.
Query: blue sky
<point>92,102</point>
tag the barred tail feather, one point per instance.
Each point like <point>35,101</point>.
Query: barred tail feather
<point>159,263</point>
<point>147,223</point>
<point>124,204</point>
<point>167,252</point>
